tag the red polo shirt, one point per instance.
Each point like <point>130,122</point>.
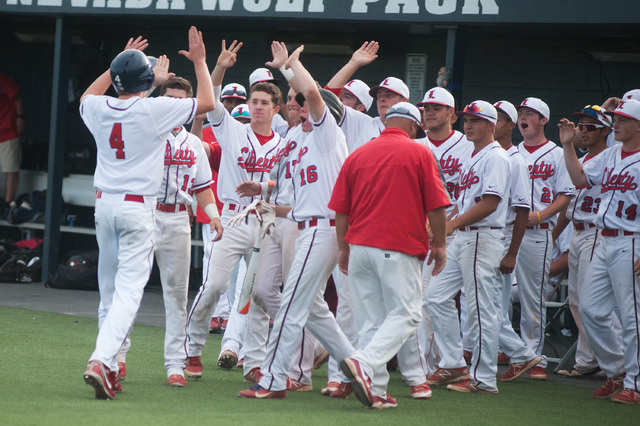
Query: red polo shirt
<point>386,187</point>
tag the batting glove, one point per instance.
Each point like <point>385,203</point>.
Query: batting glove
<point>268,217</point>
<point>244,215</point>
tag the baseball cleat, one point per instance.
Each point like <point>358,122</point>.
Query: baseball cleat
<point>194,367</point>
<point>422,391</point>
<point>329,388</point>
<point>517,369</point>
<point>177,381</point>
<point>214,328</point>
<point>295,386</point>
<point>258,392</point>
<point>320,360</point>
<point>227,360</point>
<point>97,376</point>
<point>538,373</point>
<point>360,382</point>
<point>343,391</point>
<point>612,386</point>
<point>445,376</point>
<point>117,385</point>
<point>595,373</point>
<point>503,359</point>
<point>253,376</point>
<point>382,402</point>
<point>468,386</point>
<point>627,396</point>
<point>122,371</point>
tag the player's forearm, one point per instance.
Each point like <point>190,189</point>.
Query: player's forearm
<point>205,197</point>
<point>99,86</point>
<point>561,224</point>
<point>343,76</point>
<point>475,214</point>
<point>438,223</point>
<point>342,226</point>
<point>282,211</point>
<point>519,228</point>
<point>561,202</point>
<point>217,75</point>
<point>307,85</point>
<point>204,94</point>
<point>573,166</point>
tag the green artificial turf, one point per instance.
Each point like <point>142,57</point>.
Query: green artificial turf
<point>43,356</point>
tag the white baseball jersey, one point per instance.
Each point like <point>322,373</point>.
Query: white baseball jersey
<point>282,171</point>
<point>519,184</point>
<point>359,128</point>
<point>449,154</point>
<point>487,172</point>
<point>279,125</point>
<point>585,202</point>
<point>186,168</point>
<point>320,159</point>
<point>620,194</point>
<point>243,156</point>
<point>548,176</point>
<point>129,149</point>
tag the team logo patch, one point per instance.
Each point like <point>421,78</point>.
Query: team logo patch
<point>387,256</point>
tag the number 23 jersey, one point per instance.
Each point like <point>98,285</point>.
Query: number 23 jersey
<point>130,136</point>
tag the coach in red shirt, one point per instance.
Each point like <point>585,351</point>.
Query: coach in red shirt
<point>383,196</point>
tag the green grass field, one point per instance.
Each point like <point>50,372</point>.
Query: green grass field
<point>43,356</point>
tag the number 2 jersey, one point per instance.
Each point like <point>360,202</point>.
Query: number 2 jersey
<point>130,136</point>
<point>618,178</point>
<point>548,176</point>
<point>586,201</point>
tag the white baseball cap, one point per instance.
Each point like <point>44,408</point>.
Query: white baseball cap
<point>595,112</point>
<point>537,105</point>
<point>241,111</point>
<point>482,109</point>
<point>360,90</point>
<point>632,94</point>
<point>438,95</point>
<point>391,83</point>
<point>408,111</point>
<point>507,108</point>
<point>627,108</point>
<point>234,90</point>
<point>262,74</point>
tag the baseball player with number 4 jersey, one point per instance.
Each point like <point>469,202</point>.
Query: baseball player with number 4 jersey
<point>130,133</point>
<point>550,189</point>
<point>612,278</point>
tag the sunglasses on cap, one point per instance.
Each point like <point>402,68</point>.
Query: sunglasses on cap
<point>472,108</point>
<point>402,111</point>
<point>590,127</point>
<point>593,111</point>
<point>234,92</point>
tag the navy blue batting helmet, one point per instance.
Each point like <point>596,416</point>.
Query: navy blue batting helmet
<point>331,101</point>
<point>131,72</point>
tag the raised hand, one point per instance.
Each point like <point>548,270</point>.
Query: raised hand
<point>161,71</point>
<point>366,54</point>
<point>227,57</point>
<point>138,44</point>
<point>280,55</point>
<point>197,51</point>
<point>567,131</point>
<point>294,57</point>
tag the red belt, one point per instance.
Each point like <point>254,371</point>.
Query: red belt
<point>615,233</point>
<point>314,222</point>
<point>541,226</point>
<point>476,228</point>
<point>580,226</point>
<point>127,197</point>
<point>171,208</point>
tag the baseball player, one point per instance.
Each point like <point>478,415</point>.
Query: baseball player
<point>248,153</point>
<point>480,216</point>
<point>279,124</point>
<point>232,95</point>
<point>321,155</point>
<point>612,277</point>
<point>550,191</point>
<point>593,130</point>
<point>612,103</point>
<point>521,357</point>
<point>449,148</point>
<point>130,133</point>
<point>383,259</point>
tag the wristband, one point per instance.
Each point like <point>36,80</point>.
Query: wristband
<point>539,219</point>
<point>211,210</point>
<point>288,74</point>
<point>259,189</point>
